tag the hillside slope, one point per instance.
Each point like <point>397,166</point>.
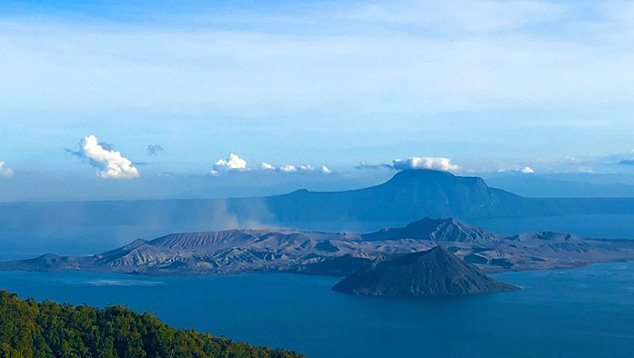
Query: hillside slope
<point>29,329</point>
<point>436,272</point>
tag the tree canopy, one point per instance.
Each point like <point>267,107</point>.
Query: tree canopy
<point>29,329</point>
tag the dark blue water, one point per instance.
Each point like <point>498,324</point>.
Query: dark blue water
<point>585,312</point>
<point>588,226</point>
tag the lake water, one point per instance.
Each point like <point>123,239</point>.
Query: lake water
<point>586,312</point>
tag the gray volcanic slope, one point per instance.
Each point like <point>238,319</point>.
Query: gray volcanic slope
<point>442,230</point>
<point>336,254</point>
<point>436,272</point>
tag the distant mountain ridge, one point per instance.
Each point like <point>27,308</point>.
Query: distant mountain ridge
<point>408,196</point>
<point>413,194</point>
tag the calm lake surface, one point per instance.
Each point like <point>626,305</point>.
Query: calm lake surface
<point>586,312</point>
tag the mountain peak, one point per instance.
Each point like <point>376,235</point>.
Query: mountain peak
<point>420,174</point>
<point>437,230</point>
<point>430,174</point>
<point>440,250</point>
<point>408,195</point>
<point>436,272</point>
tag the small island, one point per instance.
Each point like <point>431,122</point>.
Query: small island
<point>436,272</point>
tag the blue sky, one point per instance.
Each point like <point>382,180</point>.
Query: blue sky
<point>491,85</point>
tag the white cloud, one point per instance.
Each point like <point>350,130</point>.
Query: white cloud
<point>4,171</point>
<point>232,163</point>
<point>432,163</point>
<point>112,164</point>
<point>527,170</point>
<point>287,168</point>
<point>442,164</point>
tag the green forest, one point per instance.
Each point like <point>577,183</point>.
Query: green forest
<point>48,329</point>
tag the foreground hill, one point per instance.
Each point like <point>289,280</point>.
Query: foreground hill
<point>336,254</point>
<point>30,329</point>
<point>436,272</point>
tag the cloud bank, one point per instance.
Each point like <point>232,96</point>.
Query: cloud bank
<point>288,168</point>
<point>4,171</point>
<point>113,165</point>
<point>527,170</point>
<point>234,163</point>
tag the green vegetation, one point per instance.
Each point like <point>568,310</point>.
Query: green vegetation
<point>42,330</point>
